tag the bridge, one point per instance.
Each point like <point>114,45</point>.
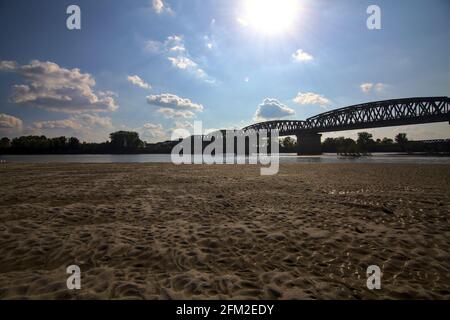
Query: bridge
<point>395,112</point>
<point>434,141</point>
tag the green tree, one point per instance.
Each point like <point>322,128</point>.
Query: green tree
<point>365,140</point>
<point>288,143</point>
<point>340,145</point>
<point>59,143</point>
<point>402,140</point>
<point>125,140</point>
<point>348,145</point>
<point>5,143</point>
<point>30,144</point>
<point>74,143</point>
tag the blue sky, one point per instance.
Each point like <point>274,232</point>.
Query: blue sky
<point>152,66</point>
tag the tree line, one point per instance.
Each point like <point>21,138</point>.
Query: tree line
<point>123,142</point>
<point>120,142</point>
<point>366,144</point>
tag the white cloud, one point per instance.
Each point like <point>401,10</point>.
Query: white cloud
<point>183,125</point>
<point>172,114</point>
<point>174,49</point>
<point>160,7</point>
<point>310,98</point>
<point>369,87</point>
<point>51,87</point>
<point>172,101</point>
<point>182,62</point>
<point>137,81</point>
<point>173,106</point>
<point>151,130</point>
<point>87,127</point>
<point>301,55</point>
<point>272,109</point>
<point>366,87</point>
<point>89,120</point>
<point>57,124</point>
<point>76,122</point>
<point>178,48</point>
<point>10,124</point>
<point>8,65</point>
<point>173,41</point>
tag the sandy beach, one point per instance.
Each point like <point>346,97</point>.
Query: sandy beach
<point>159,231</point>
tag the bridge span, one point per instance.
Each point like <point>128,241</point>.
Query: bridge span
<point>395,112</point>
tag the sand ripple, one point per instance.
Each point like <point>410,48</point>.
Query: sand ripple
<point>224,232</point>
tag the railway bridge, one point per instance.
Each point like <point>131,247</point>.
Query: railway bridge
<point>395,112</point>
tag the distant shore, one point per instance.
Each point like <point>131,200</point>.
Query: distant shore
<point>159,231</point>
<point>432,154</point>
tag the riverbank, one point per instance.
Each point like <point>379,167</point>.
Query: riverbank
<point>159,231</point>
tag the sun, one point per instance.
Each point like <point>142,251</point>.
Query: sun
<point>269,16</point>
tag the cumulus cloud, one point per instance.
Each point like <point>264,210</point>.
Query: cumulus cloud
<point>160,7</point>
<point>183,125</point>
<point>366,87</point>
<point>310,98</point>
<point>51,87</point>
<point>182,62</point>
<point>76,122</point>
<point>173,106</point>
<point>137,81</point>
<point>174,49</point>
<point>93,120</point>
<point>301,55</point>
<point>153,130</point>
<point>57,124</point>
<point>185,63</point>
<point>172,101</point>
<point>370,87</point>
<point>10,124</point>
<point>87,127</point>
<point>172,114</point>
<point>272,109</point>
<point>8,65</point>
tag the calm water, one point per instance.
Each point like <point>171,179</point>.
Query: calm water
<point>165,158</point>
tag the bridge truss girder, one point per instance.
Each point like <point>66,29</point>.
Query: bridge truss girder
<point>377,114</point>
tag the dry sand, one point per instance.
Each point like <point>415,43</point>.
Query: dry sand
<point>158,231</point>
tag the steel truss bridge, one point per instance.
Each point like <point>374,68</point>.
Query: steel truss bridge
<point>377,114</point>
<point>395,112</point>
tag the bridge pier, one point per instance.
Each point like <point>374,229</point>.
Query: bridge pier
<point>309,143</point>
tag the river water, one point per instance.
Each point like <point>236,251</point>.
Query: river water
<point>166,158</point>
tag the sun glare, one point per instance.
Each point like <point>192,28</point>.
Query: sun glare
<point>270,16</point>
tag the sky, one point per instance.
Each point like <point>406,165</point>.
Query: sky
<point>153,66</point>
